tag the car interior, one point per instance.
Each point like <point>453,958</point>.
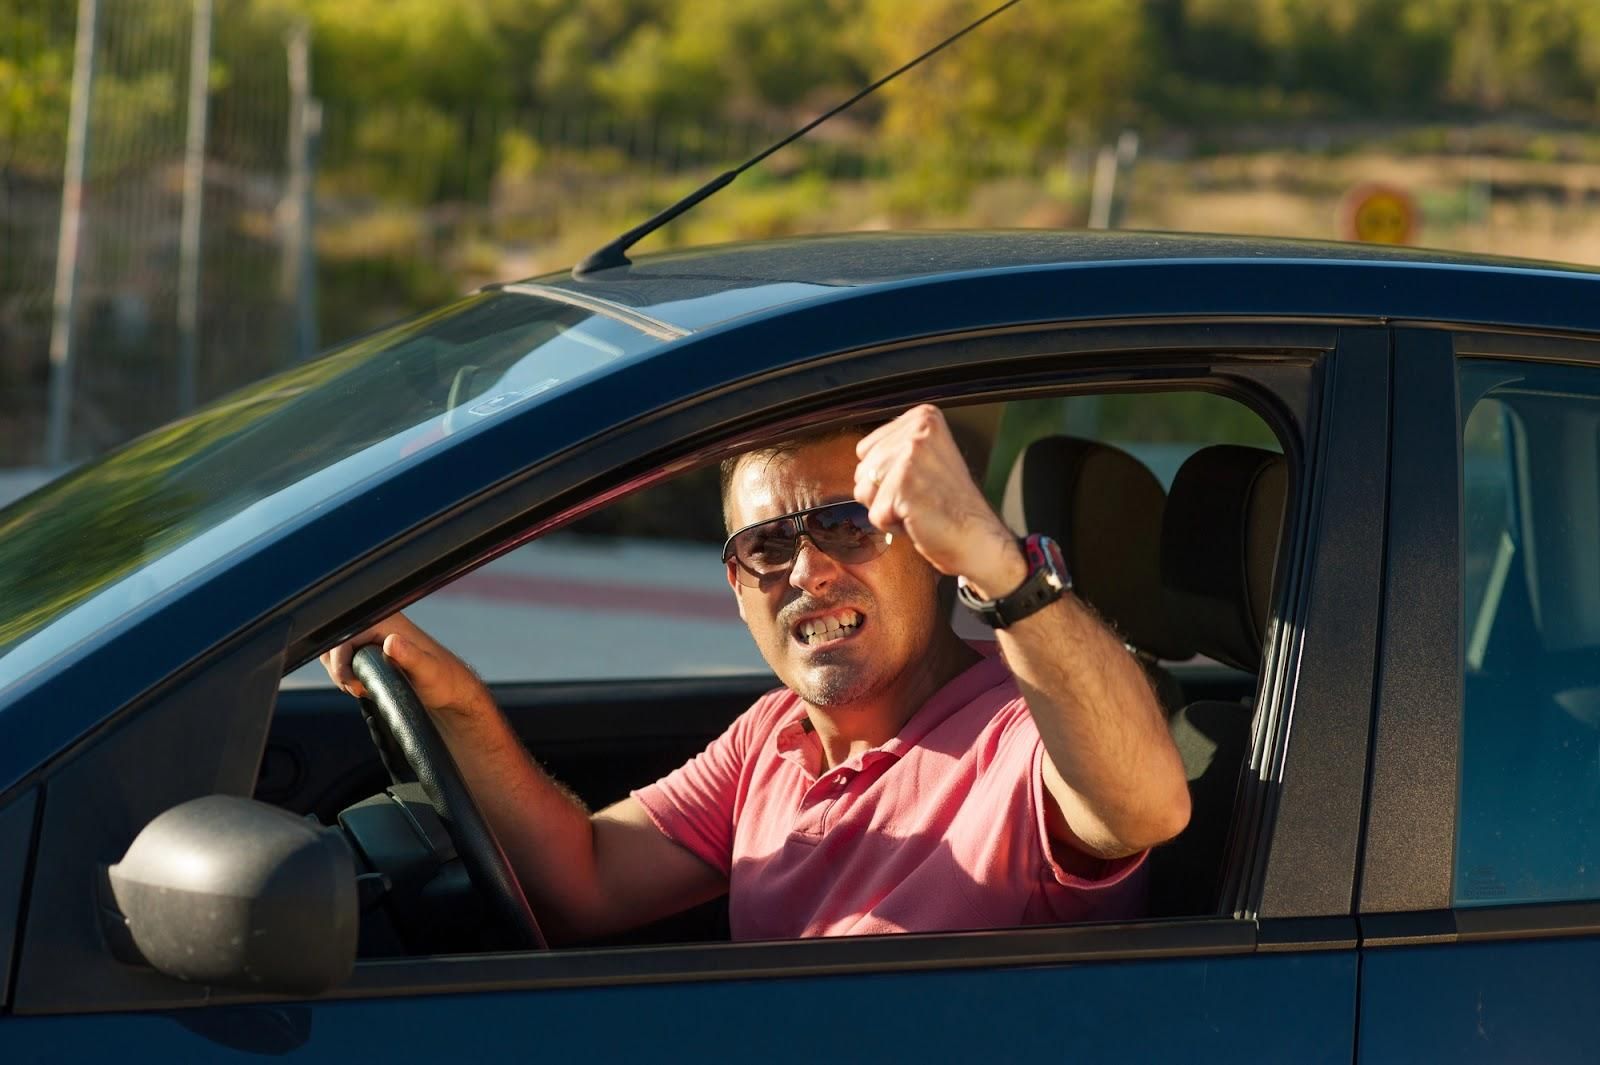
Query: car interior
<point>1180,561</point>
<point>1531,693</point>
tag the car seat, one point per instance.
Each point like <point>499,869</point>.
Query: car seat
<point>1219,544</point>
<point>1105,509</point>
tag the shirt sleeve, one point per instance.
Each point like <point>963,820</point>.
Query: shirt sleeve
<point>697,804</point>
<point>1117,890</point>
<point>1113,872</point>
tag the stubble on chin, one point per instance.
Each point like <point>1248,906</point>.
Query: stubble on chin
<point>853,679</point>
<point>834,687</point>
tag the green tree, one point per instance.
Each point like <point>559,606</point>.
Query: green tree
<point>731,58</point>
<point>1032,74</point>
<point>35,87</point>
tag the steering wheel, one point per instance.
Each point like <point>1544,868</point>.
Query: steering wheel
<point>400,712</point>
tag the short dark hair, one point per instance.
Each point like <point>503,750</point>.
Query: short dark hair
<point>788,446</point>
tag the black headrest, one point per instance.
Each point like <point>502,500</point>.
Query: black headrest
<point>1104,507</point>
<point>1219,541</point>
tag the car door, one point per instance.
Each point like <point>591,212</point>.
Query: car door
<point>1270,976</point>
<point>1480,924</point>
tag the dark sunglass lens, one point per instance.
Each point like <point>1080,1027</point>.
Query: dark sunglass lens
<point>845,533</point>
<point>765,548</point>
<point>839,515</point>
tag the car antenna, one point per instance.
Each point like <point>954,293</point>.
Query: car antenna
<point>615,253</point>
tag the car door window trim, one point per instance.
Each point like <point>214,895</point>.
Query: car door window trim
<point>1480,924</point>
<point>1409,837</point>
<point>1319,803</point>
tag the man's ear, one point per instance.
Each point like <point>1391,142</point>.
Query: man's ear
<point>733,584</point>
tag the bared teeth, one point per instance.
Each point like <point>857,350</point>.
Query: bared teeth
<point>827,627</point>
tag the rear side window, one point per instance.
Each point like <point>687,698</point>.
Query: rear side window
<point>1529,812</point>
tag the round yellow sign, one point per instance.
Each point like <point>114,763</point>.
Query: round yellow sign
<point>1379,214</point>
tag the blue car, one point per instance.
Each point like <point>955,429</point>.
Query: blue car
<point>1342,501</point>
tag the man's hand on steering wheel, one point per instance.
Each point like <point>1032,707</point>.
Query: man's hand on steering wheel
<point>442,681</point>
<point>413,685</point>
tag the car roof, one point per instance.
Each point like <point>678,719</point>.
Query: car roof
<point>697,288</point>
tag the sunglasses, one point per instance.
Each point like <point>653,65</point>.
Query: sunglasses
<point>839,530</point>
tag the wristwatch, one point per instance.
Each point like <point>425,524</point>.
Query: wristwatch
<point>1046,582</point>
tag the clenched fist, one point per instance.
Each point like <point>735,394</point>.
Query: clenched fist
<point>914,482</point>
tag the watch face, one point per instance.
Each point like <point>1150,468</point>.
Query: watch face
<point>1047,581</point>
<point>1045,553</point>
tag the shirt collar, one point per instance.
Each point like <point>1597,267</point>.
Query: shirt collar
<point>797,741</point>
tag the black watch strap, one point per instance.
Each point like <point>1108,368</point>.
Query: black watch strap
<point>1046,582</point>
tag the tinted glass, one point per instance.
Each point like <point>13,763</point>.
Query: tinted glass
<point>1529,815</point>
<point>768,546</point>
<point>197,487</point>
<point>844,527</point>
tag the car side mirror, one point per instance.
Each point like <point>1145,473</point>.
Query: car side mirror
<point>232,892</point>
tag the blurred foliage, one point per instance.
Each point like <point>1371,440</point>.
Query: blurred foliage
<point>485,139</point>
<point>1040,74</point>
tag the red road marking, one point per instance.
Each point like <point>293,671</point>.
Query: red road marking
<point>589,595</point>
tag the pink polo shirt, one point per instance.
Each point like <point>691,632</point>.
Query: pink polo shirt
<point>940,829</point>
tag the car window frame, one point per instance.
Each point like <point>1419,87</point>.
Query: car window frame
<point>1276,367</point>
<point>1245,932</point>
<point>1410,830</point>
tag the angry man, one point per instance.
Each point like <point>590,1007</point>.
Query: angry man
<point>902,780</point>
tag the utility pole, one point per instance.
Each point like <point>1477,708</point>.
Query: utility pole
<point>194,189</point>
<point>299,290</point>
<point>1105,209</point>
<point>67,243</point>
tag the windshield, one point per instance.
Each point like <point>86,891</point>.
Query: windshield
<point>201,481</point>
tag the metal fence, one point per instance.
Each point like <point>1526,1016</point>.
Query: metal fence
<point>123,266</point>
<point>195,264</point>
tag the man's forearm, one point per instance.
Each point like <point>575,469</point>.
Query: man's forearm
<point>1124,784</point>
<point>544,829</point>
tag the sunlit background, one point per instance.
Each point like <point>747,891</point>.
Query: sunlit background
<point>343,163</point>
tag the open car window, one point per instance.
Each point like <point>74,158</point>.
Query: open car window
<point>636,590</point>
<point>578,630</point>
<point>633,591</point>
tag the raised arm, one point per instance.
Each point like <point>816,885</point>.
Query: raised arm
<point>1115,777</point>
<point>585,875</point>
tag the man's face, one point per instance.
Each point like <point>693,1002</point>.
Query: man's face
<point>893,598</point>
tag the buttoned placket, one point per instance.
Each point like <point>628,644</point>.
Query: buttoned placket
<point>817,805</point>
<point>823,801</point>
